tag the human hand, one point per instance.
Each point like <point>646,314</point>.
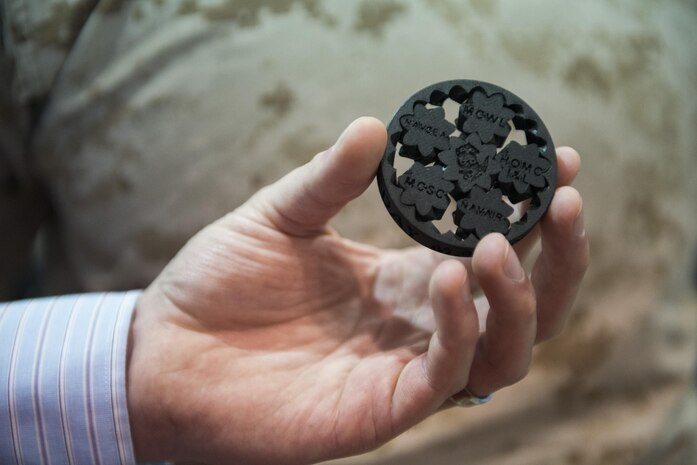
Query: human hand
<point>271,339</point>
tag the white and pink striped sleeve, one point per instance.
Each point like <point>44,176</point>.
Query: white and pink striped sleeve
<point>63,380</point>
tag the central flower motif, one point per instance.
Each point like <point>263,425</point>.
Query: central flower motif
<point>467,162</point>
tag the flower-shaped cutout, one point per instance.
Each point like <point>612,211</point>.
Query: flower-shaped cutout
<point>425,189</point>
<point>521,169</point>
<point>467,162</point>
<point>426,132</point>
<point>486,116</point>
<point>483,212</point>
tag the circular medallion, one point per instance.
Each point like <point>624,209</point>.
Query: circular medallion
<point>463,159</point>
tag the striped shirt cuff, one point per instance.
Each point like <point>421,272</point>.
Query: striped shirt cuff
<point>63,380</point>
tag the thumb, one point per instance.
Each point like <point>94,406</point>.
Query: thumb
<point>302,202</point>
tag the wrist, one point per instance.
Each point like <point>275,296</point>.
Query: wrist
<point>151,427</point>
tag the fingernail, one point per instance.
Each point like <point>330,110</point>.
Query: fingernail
<point>579,227</point>
<point>511,266</point>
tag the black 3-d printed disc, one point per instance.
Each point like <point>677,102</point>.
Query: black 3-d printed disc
<point>467,163</point>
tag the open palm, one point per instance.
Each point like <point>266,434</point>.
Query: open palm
<point>271,339</point>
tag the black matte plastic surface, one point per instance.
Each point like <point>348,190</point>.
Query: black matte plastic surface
<point>465,162</point>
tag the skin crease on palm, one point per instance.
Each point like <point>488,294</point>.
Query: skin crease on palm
<point>271,339</point>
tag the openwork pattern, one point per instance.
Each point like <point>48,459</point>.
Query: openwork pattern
<point>470,162</point>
